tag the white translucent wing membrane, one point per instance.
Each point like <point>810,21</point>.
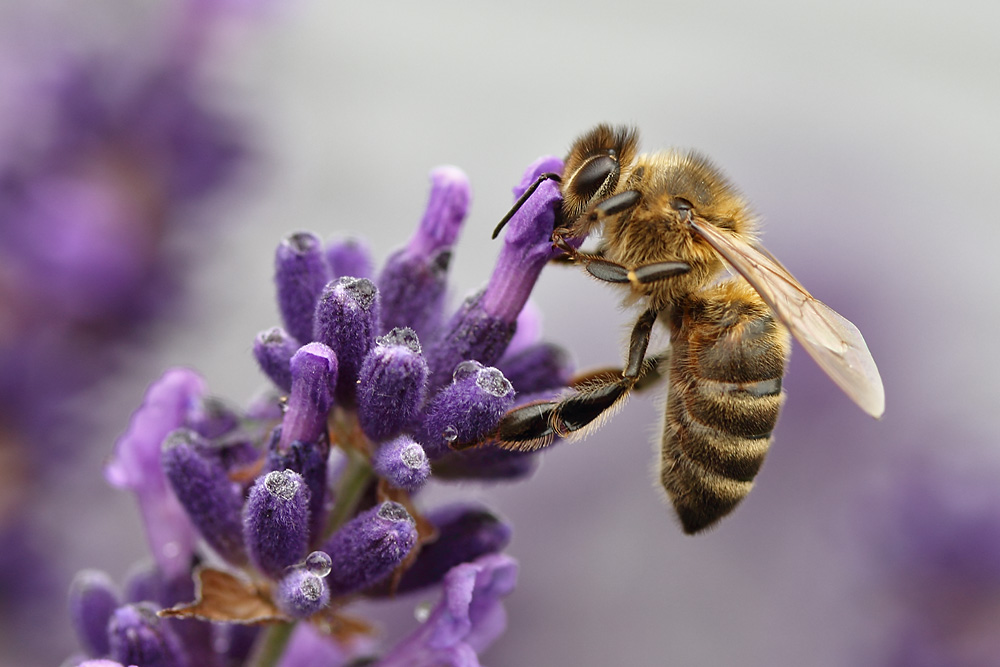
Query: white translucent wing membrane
<point>830,339</point>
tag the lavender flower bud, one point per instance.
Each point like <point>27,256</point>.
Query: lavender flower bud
<point>273,350</point>
<point>392,385</point>
<point>465,532</point>
<point>137,636</point>
<point>403,463</point>
<point>369,547</point>
<point>465,411</point>
<point>143,583</point>
<point>301,593</point>
<point>235,641</point>
<point>413,280</point>
<point>347,319</point>
<point>276,521</point>
<point>485,323</point>
<point>314,377</point>
<point>300,272</point>
<point>348,257</point>
<point>310,460</point>
<point>538,367</point>
<point>212,501</point>
<point>92,600</point>
<point>212,418</point>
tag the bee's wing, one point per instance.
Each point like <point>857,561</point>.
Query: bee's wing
<point>836,344</point>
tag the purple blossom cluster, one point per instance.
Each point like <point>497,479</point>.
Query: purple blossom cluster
<point>286,512</point>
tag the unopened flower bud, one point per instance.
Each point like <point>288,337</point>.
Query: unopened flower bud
<point>92,600</point>
<point>301,593</point>
<point>314,376</point>
<point>348,257</point>
<point>310,459</point>
<point>402,462</point>
<point>465,411</point>
<point>392,385</point>
<point>369,547</point>
<point>273,350</point>
<point>414,279</point>
<point>211,500</point>
<point>137,636</point>
<point>300,272</point>
<point>538,367</point>
<point>276,521</point>
<point>347,320</point>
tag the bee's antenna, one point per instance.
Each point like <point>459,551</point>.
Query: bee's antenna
<point>549,175</point>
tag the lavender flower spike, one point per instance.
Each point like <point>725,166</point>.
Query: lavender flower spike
<point>314,377</point>
<point>403,463</point>
<point>348,257</point>
<point>469,617</point>
<point>300,273</point>
<point>369,547</point>
<point>276,521</point>
<point>137,636</point>
<point>212,501</point>
<point>485,323</point>
<point>273,350</point>
<point>392,385</point>
<point>465,411</point>
<point>347,319</point>
<point>92,600</point>
<point>413,280</point>
<point>135,465</point>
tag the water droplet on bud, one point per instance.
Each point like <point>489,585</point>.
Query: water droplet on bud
<point>319,563</point>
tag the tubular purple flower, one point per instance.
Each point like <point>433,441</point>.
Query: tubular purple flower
<point>348,257</point>
<point>314,377</point>
<point>135,465</point>
<point>538,367</point>
<point>486,321</point>
<point>402,462</point>
<point>213,503</point>
<point>308,647</point>
<point>300,273</point>
<point>369,547</point>
<point>392,385</point>
<point>311,461</point>
<point>276,522</point>
<point>273,350</point>
<point>301,593</point>
<point>93,598</point>
<point>465,411</point>
<point>465,532</point>
<point>347,319</point>
<point>469,617</point>
<point>414,279</point>
<point>137,636</point>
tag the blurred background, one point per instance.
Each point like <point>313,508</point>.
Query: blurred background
<point>153,154</point>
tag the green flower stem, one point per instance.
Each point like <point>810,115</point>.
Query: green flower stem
<point>353,482</point>
<point>271,646</point>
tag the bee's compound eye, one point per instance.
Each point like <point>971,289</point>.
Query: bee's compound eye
<point>593,177</point>
<point>682,205</point>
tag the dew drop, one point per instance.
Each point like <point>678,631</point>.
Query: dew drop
<point>361,290</point>
<point>281,484</point>
<point>493,382</point>
<point>392,511</point>
<point>413,456</point>
<point>466,369</point>
<point>311,588</point>
<point>450,434</point>
<point>403,337</point>
<point>319,563</point>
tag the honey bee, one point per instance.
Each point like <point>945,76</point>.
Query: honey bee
<point>670,222</point>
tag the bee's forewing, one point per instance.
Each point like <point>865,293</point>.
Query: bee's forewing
<point>829,338</point>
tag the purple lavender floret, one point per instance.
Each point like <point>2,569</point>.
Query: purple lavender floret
<point>273,350</point>
<point>536,368</point>
<point>213,503</point>
<point>414,279</point>
<point>347,319</point>
<point>348,257</point>
<point>300,274</point>
<point>369,547</point>
<point>314,377</point>
<point>310,460</point>
<point>137,636</point>
<point>301,593</point>
<point>392,385</point>
<point>466,411</point>
<point>469,617</point>
<point>276,521</point>
<point>402,462</point>
<point>93,598</point>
